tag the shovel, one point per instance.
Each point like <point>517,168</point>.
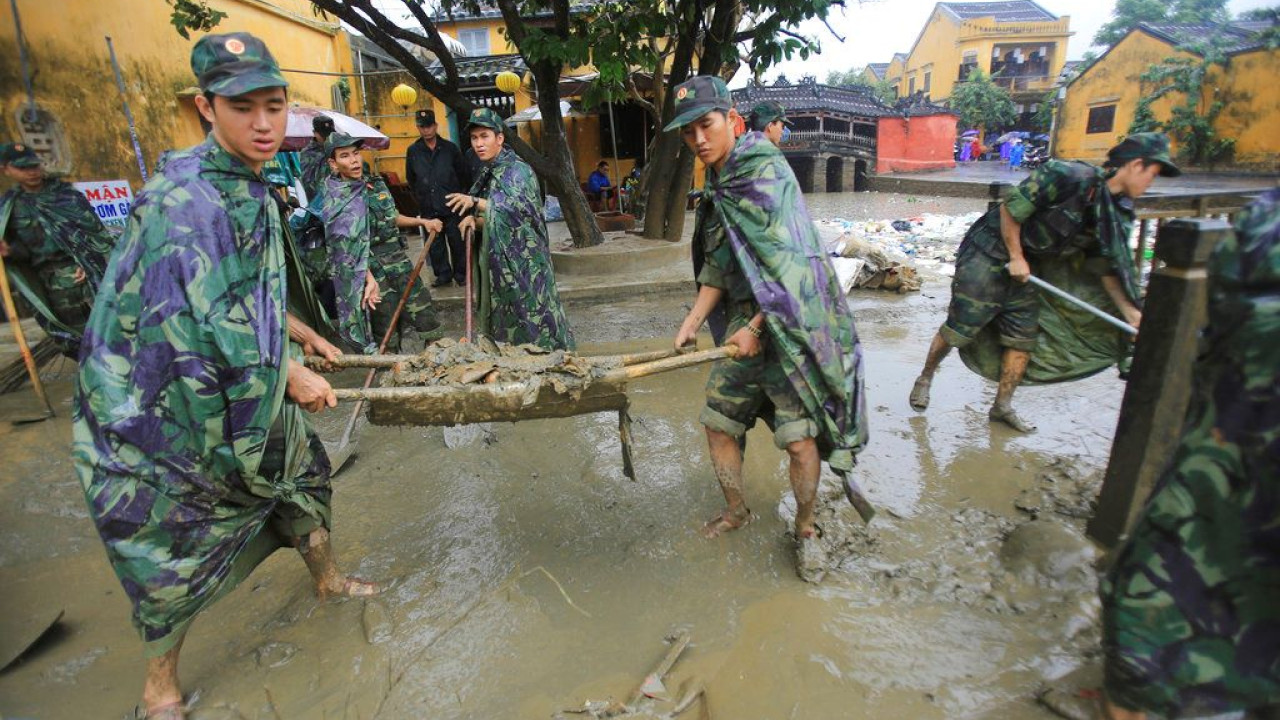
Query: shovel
<point>27,358</point>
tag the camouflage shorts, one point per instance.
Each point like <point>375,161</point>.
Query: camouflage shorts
<point>391,268</point>
<point>739,392</point>
<point>982,292</point>
<point>69,300</point>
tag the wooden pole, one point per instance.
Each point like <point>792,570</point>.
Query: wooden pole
<point>386,337</point>
<point>19,337</point>
<point>1159,388</point>
<point>467,241</point>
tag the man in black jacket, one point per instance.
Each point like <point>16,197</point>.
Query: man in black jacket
<point>434,168</point>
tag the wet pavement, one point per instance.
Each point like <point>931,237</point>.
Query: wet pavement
<point>530,576</point>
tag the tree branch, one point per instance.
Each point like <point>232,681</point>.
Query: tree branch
<point>437,46</point>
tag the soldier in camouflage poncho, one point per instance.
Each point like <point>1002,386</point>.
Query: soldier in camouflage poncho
<point>1191,607</point>
<point>189,435</point>
<point>54,245</point>
<point>313,159</point>
<point>787,315</point>
<point>364,253</point>
<point>1072,222</point>
<point>518,299</point>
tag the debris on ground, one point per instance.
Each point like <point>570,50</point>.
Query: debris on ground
<point>893,254</point>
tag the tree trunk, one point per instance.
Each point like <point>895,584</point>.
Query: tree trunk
<point>562,180</point>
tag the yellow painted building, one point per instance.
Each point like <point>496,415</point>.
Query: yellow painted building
<point>1099,103</point>
<point>80,126</point>
<point>1019,43</point>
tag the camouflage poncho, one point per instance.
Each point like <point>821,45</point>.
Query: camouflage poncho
<point>519,302</point>
<point>59,218</point>
<point>1191,620</point>
<point>1074,231</point>
<point>345,213</point>
<point>192,461</point>
<point>781,255</point>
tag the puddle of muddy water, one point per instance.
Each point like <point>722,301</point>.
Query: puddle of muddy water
<point>531,576</point>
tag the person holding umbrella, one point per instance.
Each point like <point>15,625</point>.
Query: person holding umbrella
<point>312,158</point>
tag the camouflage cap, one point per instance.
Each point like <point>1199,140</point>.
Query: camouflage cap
<point>766,112</point>
<point>697,97</point>
<point>340,140</point>
<point>19,156</point>
<point>234,64</point>
<point>322,124</point>
<point>486,118</point>
<point>1145,146</point>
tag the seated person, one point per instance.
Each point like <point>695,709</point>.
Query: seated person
<point>599,188</point>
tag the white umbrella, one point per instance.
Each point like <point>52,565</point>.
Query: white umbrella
<point>531,114</point>
<point>299,132</point>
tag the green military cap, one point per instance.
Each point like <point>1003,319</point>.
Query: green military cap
<point>19,156</point>
<point>697,97</point>
<point>1145,146</point>
<point>340,140</point>
<point>486,118</point>
<point>766,112</point>
<point>234,64</point>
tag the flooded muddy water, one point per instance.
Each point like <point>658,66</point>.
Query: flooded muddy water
<point>530,576</point>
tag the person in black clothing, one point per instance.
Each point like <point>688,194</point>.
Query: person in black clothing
<point>434,168</point>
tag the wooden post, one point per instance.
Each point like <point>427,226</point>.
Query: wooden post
<point>1159,388</point>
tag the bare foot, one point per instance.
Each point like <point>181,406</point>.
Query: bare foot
<point>348,587</point>
<point>725,522</point>
<point>920,393</point>
<point>1007,416</point>
<point>174,710</point>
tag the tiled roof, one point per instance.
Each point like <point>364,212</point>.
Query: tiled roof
<point>1239,36</point>
<point>878,69</point>
<point>811,97</point>
<point>1007,11</point>
<point>481,70</point>
<point>489,9</point>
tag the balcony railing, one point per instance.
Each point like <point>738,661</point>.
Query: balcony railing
<point>1024,83</point>
<point>827,140</point>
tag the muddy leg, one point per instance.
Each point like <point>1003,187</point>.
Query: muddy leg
<point>938,351</point>
<point>726,459</point>
<point>1012,367</point>
<point>317,553</point>
<point>805,468</point>
<point>161,694</point>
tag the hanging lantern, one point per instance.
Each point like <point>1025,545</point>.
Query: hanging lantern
<point>508,82</point>
<point>403,95</point>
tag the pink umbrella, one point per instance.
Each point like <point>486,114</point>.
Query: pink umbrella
<point>299,132</point>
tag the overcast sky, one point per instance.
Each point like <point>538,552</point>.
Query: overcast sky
<point>874,30</point>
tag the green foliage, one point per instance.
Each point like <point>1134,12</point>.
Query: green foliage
<point>981,103</point>
<point>1042,121</point>
<point>344,88</point>
<point>1191,121</point>
<point>1271,36</point>
<point>1128,13</point>
<point>884,90</point>
<point>191,15</point>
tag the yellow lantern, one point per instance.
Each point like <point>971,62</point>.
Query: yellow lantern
<point>403,95</point>
<point>508,82</point>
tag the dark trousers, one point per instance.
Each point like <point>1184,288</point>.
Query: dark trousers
<point>448,254</point>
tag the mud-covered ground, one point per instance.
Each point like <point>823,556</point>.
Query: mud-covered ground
<point>531,577</point>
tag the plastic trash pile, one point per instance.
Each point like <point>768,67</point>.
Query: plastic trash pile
<point>894,254</point>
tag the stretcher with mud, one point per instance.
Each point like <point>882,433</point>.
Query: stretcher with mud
<point>458,383</point>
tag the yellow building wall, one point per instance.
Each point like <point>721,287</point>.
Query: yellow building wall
<point>943,42</point>
<point>1248,86</point>
<point>74,81</point>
